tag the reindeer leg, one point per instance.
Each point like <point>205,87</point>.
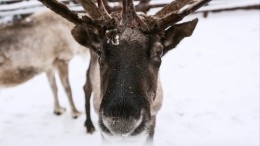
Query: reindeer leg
<point>88,89</point>
<point>58,110</point>
<point>63,69</point>
<point>151,131</point>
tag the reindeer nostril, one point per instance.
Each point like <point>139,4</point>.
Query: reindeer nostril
<point>122,110</point>
<point>121,126</point>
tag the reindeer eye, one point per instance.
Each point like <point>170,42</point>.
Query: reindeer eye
<point>159,53</point>
<point>99,52</point>
<point>156,57</point>
<point>100,57</point>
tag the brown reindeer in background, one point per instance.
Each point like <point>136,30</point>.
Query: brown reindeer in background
<point>40,43</point>
<point>126,56</point>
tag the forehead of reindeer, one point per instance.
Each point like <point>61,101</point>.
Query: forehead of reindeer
<point>131,35</point>
<point>128,18</point>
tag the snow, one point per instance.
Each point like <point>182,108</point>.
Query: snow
<point>26,7</point>
<point>213,98</point>
<point>211,93</point>
<point>19,5</point>
<point>23,4</point>
<point>216,4</point>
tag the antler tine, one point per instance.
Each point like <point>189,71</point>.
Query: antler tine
<point>194,7</point>
<point>106,5</point>
<point>129,16</point>
<point>143,6</point>
<point>91,8</point>
<point>103,10</point>
<point>175,17</point>
<point>173,6</point>
<point>62,10</point>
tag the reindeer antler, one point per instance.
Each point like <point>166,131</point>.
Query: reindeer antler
<point>100,18</point>
<point>173,6</point>
<point>129,15</point>
<point>62,10</point>
<point>66,13</point>
<point>171,14</point>
<point>91,8</point>
<point>103,10</point>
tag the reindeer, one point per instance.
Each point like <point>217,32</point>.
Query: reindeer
<point>126,50</point>
<point>40,43</point>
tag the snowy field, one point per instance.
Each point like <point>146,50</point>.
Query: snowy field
<point>211,88</point>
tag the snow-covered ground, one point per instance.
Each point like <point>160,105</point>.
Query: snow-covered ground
<point>211,88</point>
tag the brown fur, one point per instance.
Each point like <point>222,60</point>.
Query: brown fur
<point>124,75</point>
<point>104,56</point>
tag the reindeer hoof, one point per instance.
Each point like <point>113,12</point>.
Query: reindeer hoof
<point>90,130</point>
<point>59,111</point>
<point>89,127</point>
<point>76,114</point>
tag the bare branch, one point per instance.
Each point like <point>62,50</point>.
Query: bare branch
<point>247,7</point>
<point>175,17</point>
<point>62,10</point>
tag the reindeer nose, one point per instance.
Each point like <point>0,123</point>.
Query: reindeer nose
<point>122,119</point>
<point>121,126</point>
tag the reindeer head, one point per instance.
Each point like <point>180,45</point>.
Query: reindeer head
<point>130,48</point>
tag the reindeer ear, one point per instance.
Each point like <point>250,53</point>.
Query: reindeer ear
<point>176,33</point>
<point>85,36</point>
